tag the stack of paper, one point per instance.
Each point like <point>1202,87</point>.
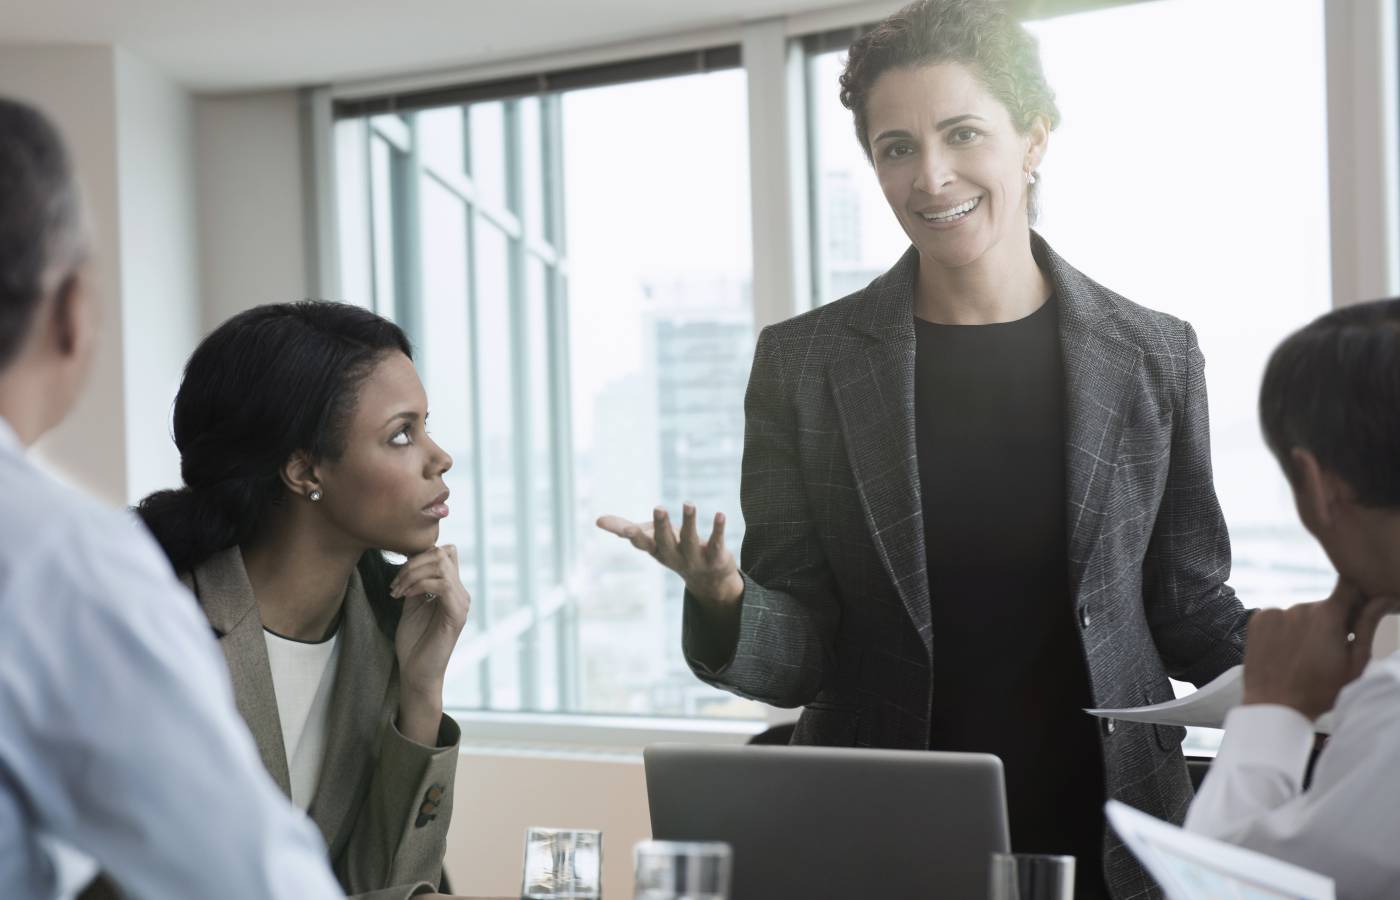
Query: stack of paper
<point>1191,867</point>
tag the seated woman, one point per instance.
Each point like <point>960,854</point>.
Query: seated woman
<point>304,451</point>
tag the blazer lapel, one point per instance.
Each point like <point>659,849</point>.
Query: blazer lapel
<point>874,394</point>
<point>362,699</point>
<point>1101,374</point>
<point>222,586</point>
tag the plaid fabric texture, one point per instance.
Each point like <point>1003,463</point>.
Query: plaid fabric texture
<point>835,616</point>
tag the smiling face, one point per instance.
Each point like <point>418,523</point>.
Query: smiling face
<point>950,161</point>
<point>386,490</point>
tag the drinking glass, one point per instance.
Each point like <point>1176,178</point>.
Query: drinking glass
<point>562,864</point>
<point>1032,876</point>
<point>682,870</point>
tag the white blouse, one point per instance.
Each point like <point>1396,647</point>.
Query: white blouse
<point>303,676</point>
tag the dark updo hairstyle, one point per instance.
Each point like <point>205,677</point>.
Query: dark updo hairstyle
<point>982,35</point>
<point>269,382</point>
<point>1333,389</point>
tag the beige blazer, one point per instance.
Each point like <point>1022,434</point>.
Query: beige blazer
<point>383,802</point>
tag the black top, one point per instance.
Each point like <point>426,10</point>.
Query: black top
<point>1009,675</point>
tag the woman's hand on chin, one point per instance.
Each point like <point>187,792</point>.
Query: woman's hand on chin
<point>435,606</point>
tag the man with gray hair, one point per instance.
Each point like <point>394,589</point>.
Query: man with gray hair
<point>119,741</point>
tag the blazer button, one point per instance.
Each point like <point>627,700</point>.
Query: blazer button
<point>435,793</point>
<point>1108,726</point>
<point>1084,618</point>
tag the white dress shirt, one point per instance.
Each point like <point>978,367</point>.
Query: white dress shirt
<point>303,677</point>
<point>1346,825</point>
<point>119,739</point>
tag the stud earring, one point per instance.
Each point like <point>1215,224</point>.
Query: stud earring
<point>314,495</point>
<point>1030,178</point>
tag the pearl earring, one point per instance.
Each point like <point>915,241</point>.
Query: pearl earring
<point>314,495</point>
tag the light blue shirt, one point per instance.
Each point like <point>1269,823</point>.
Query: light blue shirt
<point>119,739</point>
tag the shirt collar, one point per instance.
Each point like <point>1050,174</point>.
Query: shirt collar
<point>8,439</point>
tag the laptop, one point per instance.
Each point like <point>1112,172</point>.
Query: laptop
<point>833,822</point>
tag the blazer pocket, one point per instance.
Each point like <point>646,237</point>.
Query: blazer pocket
<point>828,725</point>
<point>1169,737</point>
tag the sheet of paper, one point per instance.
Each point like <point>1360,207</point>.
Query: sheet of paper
<point>1191,867</point>
<point>1205,708</point>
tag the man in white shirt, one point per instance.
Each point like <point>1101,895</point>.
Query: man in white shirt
<point>1330,409</point>
<point>119,740</point>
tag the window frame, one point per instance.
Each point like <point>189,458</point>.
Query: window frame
<point>407,170</point>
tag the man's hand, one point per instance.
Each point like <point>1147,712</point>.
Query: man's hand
<point>1303,656</point>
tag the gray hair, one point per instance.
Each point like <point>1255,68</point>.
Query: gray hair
<point>43,234</point>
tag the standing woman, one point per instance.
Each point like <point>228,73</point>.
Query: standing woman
<point>978,492</point>
<point>303,448</point>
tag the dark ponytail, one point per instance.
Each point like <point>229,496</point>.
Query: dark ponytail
<point>270,381</point>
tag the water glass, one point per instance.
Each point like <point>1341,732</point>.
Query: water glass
<point>682,870</point>
<point>562,864</point>
<point>1031,876</point>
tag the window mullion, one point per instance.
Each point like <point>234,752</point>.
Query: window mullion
<point>521,379</point>
<point>408,299</point>
<point>777,171</point>
<point>1362,137</point>
<point>819,284</point>
<point>478,435</point>
<point>569,673</point>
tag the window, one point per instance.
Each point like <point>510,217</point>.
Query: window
<point>590,357</point>
<point>854,235</point>
<point>1174,185</point>
<point>1180,186</point>
<point>1211,236</point>
<point>580,359</point>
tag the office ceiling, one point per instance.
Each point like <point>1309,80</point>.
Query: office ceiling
<point>236,45</point>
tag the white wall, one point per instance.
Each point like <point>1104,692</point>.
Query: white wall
<point>160,263</point>
<point>251,210</point>
<point>76,87</point>
<point>130,131</point>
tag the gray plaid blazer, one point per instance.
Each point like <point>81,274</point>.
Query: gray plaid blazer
<point>835,615</point>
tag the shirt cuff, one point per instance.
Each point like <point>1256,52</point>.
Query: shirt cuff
<point>1267,734</point>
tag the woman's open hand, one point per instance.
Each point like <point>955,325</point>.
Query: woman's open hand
<point>708,568</point>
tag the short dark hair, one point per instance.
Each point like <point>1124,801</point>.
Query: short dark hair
<point>980,34</point>
<point>1333,388</point>
<point>269,382</point>
<point>41,226</point>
